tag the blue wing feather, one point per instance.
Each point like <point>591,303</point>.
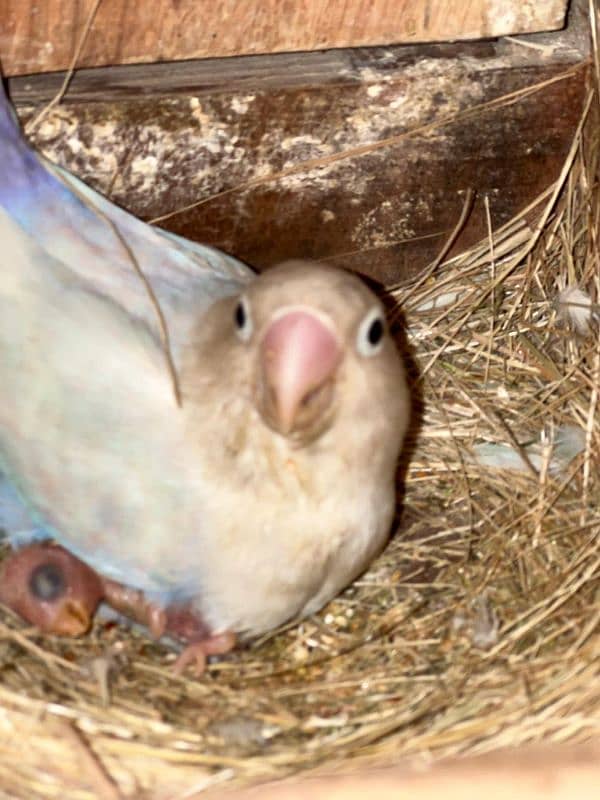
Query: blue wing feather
<point>67,229</point>
<point>96,239</point>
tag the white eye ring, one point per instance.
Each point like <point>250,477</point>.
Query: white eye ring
<point>371,333</point>
<point>242,319</point>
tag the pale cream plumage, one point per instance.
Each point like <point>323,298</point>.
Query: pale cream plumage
<point>290,520</point>
<point>271,487</point>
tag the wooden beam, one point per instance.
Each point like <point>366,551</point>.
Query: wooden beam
<point>158,139</point>
<point>42,35</point>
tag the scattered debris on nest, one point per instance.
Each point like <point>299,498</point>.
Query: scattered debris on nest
<point>476,629</point>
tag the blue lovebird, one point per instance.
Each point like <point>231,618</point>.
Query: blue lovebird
<point>217,448</point>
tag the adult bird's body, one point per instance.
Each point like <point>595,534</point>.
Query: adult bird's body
<point>271,485</point>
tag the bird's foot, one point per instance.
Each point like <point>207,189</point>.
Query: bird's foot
<point>133,604</point>
<point>197,652</point>
<point>180,622</point>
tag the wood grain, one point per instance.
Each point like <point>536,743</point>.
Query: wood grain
<point>42,35</point>
<point>157,139</point>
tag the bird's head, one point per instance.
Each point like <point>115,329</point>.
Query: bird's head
<point>312,334</point>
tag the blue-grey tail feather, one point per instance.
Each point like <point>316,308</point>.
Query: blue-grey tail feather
<point>101,242</point>
<point>25,185</point>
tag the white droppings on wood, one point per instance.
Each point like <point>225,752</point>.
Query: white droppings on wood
<point>241,104</point>
<point>386,223</point>
<point>198,113</point>
<point>163,156</point>
<point>146,165</point>
<point>504,18</point>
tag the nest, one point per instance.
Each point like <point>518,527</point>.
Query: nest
<point>475,630</point>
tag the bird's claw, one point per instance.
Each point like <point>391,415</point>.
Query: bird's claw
<point>196,653</point>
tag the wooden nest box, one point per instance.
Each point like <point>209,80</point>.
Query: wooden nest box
<point>343,131</point>
<point>390,137</point>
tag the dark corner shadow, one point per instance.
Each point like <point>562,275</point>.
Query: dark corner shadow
<point>417,404</point>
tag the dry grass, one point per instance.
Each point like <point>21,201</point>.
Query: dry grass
<point>477,628</point>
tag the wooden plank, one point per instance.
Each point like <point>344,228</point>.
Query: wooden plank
<point>214,126</point>
<point>41,35</point>
<point>157,139</point>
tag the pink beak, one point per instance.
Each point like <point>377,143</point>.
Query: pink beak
<point>299,354</point>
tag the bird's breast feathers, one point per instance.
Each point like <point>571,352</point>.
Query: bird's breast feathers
<point>298,524</point>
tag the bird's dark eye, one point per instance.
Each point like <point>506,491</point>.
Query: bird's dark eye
<point>242,319</point>
<point>47,582</point>
<point>375,332</point>
<point>371,331</point>
<point>240,315</point>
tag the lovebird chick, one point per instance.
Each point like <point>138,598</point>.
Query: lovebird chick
<point>50,588</point>
<point>221,444</point>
